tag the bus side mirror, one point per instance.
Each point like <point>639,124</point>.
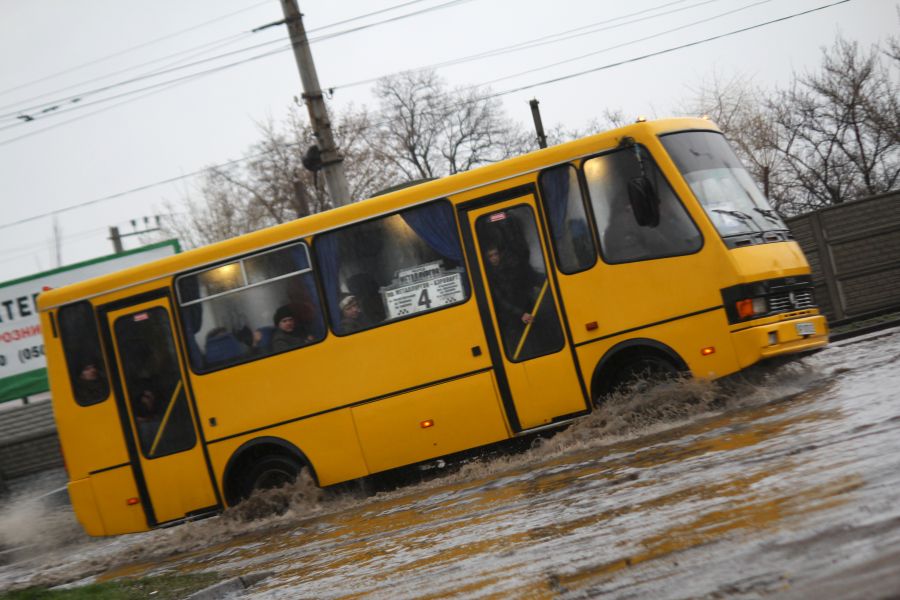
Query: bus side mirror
<point>644,202</point>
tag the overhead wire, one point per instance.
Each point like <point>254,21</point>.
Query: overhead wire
<point>46,109</point>
<point>488,96</point>
<point>551,38</point>
<point>132,48</point>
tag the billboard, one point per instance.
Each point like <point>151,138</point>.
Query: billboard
<point>23,369</point>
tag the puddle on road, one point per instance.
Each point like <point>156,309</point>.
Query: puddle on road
<point>634,486</point>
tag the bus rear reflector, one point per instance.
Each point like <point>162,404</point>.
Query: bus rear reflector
<point>133,501</point>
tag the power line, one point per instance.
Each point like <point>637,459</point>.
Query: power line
<point>628,43</point>
<point>661,52</point>
<point>137,189</point>
<point>199,50</point>
<point>547,39</point>
<point>131,49</point>
<point>205,46</point>
<point>51,108</point>
<point>470,101</point>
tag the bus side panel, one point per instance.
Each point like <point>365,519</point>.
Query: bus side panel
<point>431,422</point>
<point>101,503</point>
<point>342,371</point>
<point>78,426</point>
<point>81,495</point>
<point>329,442</point>
<point>687,337</point>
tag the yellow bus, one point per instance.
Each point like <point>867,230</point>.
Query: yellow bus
<point>424,322</point>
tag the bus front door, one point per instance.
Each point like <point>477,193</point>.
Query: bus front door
<point>534,362</point>
<point>168,457</point>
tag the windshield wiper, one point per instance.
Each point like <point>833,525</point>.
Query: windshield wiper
<point>741,216</point>
<point>769,214</point>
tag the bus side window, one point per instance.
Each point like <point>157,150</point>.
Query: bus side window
<point>392,267</point>
<point>571,233</point>
<point>622,239</point>
<point>232,312</point>
<point>84,356</point>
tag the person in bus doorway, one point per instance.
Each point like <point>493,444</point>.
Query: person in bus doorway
<point>515,288</point>
<point>351,314</point>
<point>288,332</point>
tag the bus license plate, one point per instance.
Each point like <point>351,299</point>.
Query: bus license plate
<point>805,329</point>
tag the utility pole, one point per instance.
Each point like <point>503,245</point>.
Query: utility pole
<point>116,239</point>
<point>538,123</point>
<point>332,161</point>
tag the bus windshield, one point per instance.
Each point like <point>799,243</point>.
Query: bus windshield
<point>721,183</point>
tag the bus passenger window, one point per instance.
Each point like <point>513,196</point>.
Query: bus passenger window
<point>622,239</point>
<point>392,267</point>
<point>84,356</point>
<point>260,305</point>
<point>572,237</point>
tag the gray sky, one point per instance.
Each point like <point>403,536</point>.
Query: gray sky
<point>52,51</point>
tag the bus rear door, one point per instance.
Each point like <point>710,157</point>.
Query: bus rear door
<point>166,451</point>
<point>535,367</point>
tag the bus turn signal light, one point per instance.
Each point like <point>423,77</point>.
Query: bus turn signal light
<point>427,423</point>
<point>708,350</point>
<point>750,306</point>
<point>133,501</point>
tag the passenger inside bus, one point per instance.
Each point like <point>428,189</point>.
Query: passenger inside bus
<point>352,318</point>
<point>289,332</point>
<point>90,387</point>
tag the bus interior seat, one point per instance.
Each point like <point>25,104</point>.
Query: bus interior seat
<point>223,347</point>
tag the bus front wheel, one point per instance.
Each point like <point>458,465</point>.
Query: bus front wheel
<point>269,472</point>
<point>633,374</point>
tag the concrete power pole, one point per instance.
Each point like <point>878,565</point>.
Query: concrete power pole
<point>332,161</point>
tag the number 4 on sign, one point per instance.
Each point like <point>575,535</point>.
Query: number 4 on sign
<point>424,300</point>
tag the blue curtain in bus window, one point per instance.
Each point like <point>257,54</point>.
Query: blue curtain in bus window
<point>555,185</point>
<point>327,259</point>
<point>298,255</point>
<point>193,319</point>
<point>435,224</point>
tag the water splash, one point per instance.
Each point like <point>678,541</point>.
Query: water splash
<point>66,554</point>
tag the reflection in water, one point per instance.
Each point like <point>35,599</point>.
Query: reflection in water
<point>692,490</point>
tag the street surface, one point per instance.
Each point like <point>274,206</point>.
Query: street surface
<point>784,484</point>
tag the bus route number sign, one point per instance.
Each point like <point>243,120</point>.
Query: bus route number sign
<point>424,295</point>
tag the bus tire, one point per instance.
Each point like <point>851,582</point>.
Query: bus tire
<point>634,369</point>
<point>268,472</point>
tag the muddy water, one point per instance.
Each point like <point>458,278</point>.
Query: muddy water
<point>786,483</point>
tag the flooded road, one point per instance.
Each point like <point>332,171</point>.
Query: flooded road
<point>785,483</point>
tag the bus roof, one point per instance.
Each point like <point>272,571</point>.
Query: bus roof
<point>358,211</point>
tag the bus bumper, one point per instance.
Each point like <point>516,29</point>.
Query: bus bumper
<point>777,339</point>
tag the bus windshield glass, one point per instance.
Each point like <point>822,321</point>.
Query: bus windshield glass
<point>721,183</point>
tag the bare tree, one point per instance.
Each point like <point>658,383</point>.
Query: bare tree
<point>272,185</point>
<point>831,136</point>
<point>426,130</point>
<point>739,108</point>
<point>839,129</point>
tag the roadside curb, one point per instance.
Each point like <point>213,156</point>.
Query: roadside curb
<point>235,584</point>
<point>843,335</point>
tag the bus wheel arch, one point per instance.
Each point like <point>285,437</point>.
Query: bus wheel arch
<point>262,462</point>
<point>626,359</point>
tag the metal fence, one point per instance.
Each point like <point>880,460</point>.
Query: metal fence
<point>854,252</point>
<point>28,441</point>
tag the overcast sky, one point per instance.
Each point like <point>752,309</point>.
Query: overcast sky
<point>108,137</point>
